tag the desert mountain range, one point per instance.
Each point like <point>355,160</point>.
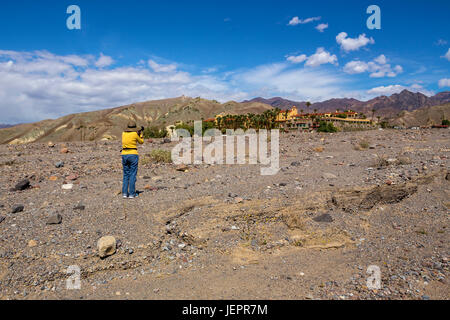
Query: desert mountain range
<point>405,108</point>
<point>108,124</point>
<point>386,107</point>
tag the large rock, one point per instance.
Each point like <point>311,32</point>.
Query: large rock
<point>22,185</point>
<point>106,246</point>
<point>80,206</point>
<point>324,218</point>
<point>55,218</point>
<point>17,208</point>
<point>182,168</point>
<point>328,175</point>
<point>59,164</point>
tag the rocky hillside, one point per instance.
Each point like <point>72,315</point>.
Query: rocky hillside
<point>384,106</point>
<point>422,117</point>
<point>109,123</point>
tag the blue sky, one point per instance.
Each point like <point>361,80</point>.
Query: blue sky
<point>128,51</point>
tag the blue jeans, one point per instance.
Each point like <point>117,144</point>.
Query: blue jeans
<point>130,167</point>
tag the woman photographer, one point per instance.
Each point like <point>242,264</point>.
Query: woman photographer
<point>130,158</point>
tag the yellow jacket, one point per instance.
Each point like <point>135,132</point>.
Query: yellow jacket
<point>129,142</point>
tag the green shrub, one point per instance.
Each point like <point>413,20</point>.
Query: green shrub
<point>364,144</point>
<point>160,156</point>
<point>155,132</point>
<point>326,127</point>
<point>446,122</point>
<point>186,127</point>
<point>384,124</point>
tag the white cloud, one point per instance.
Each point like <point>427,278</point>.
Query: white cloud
<point>42,85</point>
<point>297,59</point>
<point>444,83</point>
<point>295,20</point>
<point>353,44</point>
<point>397,88</point>
<point>161,67</point>
<point>104,61</point>
<point>321,27</point>
<point>321,57</point>
<point>210,70</point>
<point>447,55</point>
<point>381,59</point>
<point>441,42</point>
<point>354,67</point>
<point>378,68</point>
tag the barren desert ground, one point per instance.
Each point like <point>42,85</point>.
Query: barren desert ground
<point>340,203</point>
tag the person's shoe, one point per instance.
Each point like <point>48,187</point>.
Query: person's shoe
<point>132,197</point>
<point>125,197</point>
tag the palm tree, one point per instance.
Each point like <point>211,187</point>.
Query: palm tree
<point>219,123</point>
<point>373,113</point>
<point>308,104</point>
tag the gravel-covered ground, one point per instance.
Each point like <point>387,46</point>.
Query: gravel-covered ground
<point>340,203</point>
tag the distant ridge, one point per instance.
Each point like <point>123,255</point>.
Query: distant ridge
<point>6,125</point>
<point>384,106</point>
<point>426,116</point>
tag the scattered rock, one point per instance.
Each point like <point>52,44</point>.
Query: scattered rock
<point>54,219</point>
<point>318,149</point>
<point>447,177</point>
<point>51,144</point>
<point>2,219</point>
<point>328,175</point>
<point>59,164</point>
<point>22,185</point>
<point>324,218</point>
<point>238,200</point>
<point>182,168</point>
<point>17,208</point>
<point>64,150</point>
<point>106,246</point>
<point>67,186</point>
<point>32,243</point>
<point>72,177</point>
<point>150,188</point>
<point>80,206</point>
